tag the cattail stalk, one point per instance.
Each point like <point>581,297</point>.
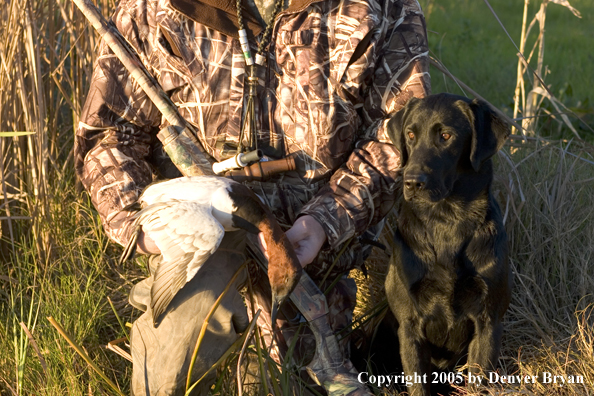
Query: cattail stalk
<point>520,77</point>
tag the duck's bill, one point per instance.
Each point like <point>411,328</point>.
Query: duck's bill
<point>276,303</point>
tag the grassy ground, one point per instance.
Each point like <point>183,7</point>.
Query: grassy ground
<point>55,260</point>
<point>545,191</point>
<point>72,286</point>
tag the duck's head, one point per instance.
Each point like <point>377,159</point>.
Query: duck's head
<point>284,269</point>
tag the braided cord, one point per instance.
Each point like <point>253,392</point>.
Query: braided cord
<point>249,126</point>
<point>239,16</point>
<point>243,39</point>
<point>265,37</point>
<point>268,32</point>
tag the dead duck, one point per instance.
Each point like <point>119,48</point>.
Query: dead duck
<point>187,218</point>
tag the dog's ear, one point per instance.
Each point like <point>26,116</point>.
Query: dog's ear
<point>489,131</point>
<point>396,127</point>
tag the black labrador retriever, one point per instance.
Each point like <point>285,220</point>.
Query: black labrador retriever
<point>449,281</point>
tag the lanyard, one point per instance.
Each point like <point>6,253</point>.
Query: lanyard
<point>249,126</point>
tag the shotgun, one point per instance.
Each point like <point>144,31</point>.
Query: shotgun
<point>186,152</point>
<point>179,138</point>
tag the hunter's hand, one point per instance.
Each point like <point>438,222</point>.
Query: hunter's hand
<point>307,237</point>
<point>146,245</point>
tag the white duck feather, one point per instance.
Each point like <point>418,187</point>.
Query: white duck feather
<point>187,219</point>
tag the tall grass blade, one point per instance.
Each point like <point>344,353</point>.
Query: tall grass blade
<point>206,320</point>
<point>119,319</point>
<point>84,355</point>
<point>243,349</point>
<point>15,134</point>
<point>537,73</point>
<point>35,346</point>
<point>234,347</point>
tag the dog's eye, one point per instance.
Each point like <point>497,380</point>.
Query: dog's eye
<point>411,135</point>
<point>446,136</point>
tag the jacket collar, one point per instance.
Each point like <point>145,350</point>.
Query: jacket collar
<point>221,15</point>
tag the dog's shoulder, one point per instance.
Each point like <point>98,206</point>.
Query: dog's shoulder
<point>488,245</point>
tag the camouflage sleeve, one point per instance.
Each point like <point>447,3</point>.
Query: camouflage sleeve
<point>362,192</point>
<point>115,131</point>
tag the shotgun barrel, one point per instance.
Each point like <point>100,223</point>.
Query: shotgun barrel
<point>202,162</point>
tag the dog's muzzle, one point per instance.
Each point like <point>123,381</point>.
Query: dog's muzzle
<point>414,183</point>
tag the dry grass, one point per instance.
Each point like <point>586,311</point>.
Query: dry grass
<point>55,260</point>
<point>550,223</point>
<point>46,56</point>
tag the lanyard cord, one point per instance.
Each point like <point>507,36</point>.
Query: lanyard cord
<point>245,47</point>
<point>250,126</point>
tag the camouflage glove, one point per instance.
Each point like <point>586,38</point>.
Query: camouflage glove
<point>161,356</point>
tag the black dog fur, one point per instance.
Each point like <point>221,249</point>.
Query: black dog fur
<point>449,281</point>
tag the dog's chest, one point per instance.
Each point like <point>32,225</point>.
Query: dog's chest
<point>453,294</point>
<point>449,283</point>
<point>436,239</point>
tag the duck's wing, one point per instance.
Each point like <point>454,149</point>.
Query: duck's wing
<point>130,248</point>
<point>187,235</point>
<point>193,188</point>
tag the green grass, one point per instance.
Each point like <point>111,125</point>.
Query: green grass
<point>468,39</point>
<point>73,287</point>
<point>60,264</point>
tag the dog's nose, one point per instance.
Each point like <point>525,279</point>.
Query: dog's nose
<point>415,181</point>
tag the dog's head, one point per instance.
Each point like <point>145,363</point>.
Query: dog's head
<point>442,137</point>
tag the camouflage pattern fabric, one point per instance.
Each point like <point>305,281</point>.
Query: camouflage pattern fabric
<point>336,69</point>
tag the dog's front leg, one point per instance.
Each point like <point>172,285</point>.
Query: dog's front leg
<point>483,350</point>
<point>416,359</point>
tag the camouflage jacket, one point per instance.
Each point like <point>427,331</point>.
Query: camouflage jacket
<point>335,70</point>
